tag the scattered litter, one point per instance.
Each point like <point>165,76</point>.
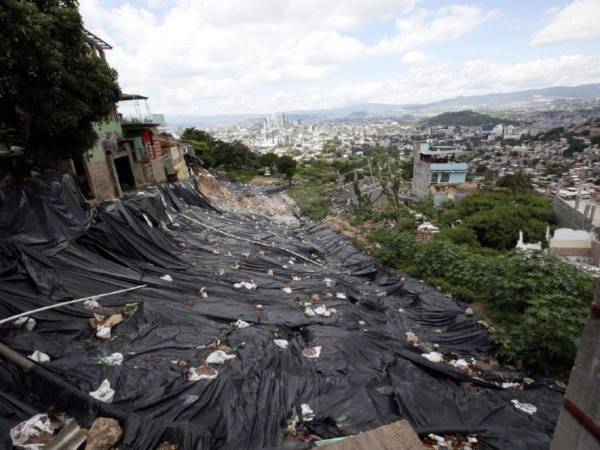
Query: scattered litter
<point>203,292</point>
<point>459,363</point>
<point>307,413</point>
<point>295,278</point>
<point>323,311</point>
<point>510,385</point>
<point>39,357</point>
<point>287,290</point>
<point>469,312</point>
<point>189,399</point>
<point>340,295</point>
<point>202,373</point>
<point>103,332</point>
<point>312,352</point>
<point>433,357</point>
<point>239,324</point>
<point>270,272</point>
<point>30,324</point>
<point>281,343</point>
<point>104,393</point>
<point>527,408</point>
<point>329,282</point>
<point>412,339</point>
<point>250,285</point>
<point>218,357</point>
<point>130,309</point>
<point>308,311</point>
<point>37,427</point>
<point>166,277</point>
<point>91,304</point>
<point>362,323</point>
<point>115,359</point>
<point>259,307</point>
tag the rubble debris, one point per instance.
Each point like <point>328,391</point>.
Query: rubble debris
<point>104,393</point>
<point>104,434</point>
<point>39,357</point>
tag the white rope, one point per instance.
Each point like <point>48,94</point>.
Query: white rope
<point>70,302</point>
<point>251,241</point>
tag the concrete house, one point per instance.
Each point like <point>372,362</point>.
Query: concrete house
<point>434,167</point>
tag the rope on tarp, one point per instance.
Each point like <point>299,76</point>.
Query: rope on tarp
<point>69,302</point>
<point>251,241</point>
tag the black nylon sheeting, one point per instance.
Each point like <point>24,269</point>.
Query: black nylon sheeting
<point>367,373</point>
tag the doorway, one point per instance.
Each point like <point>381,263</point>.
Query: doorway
<point>124,173</point>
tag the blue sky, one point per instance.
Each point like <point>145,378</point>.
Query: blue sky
<point>241,56</point>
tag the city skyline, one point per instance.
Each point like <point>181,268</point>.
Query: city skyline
<point>262,56</point>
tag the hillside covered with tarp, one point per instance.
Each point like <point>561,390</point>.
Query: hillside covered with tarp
<point>249,333</point>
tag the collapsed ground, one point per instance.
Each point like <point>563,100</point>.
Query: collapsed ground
<point>252,333</point>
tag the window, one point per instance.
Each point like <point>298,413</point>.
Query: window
<point>445,177</point>
<point>434,177</point>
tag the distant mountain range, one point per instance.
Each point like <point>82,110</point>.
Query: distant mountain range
<point>527,98</point>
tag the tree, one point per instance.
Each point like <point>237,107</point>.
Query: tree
<point>268,160</point>
<point>518,182</point>
<point>52,89</point>
<point>286,166</point>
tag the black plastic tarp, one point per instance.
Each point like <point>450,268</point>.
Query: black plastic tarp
<point>367,373</point>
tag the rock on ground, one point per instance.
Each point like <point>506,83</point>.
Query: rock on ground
<point>103,434</point>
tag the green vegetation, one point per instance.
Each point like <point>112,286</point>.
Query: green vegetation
<point>536,304</point>
<point>465,118</point>
<point>235,159</point>
<point>52,89</point>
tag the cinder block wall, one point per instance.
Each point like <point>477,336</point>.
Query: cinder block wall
<point>582,402</point>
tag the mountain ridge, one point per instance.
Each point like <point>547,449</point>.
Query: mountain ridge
<point>375,109</point>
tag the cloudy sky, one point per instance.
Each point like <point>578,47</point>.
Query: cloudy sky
<point>247,56</point>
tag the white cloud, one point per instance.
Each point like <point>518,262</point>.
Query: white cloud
<point>228,56</point>
<point>579,20</point>
<point>433,82</point>
<point>415,57</point>
<point>423,27</point>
